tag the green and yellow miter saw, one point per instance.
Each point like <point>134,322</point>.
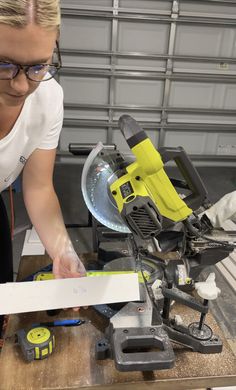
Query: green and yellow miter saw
<point>167,243</point>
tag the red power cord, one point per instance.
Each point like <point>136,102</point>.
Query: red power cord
<point>12,217</point>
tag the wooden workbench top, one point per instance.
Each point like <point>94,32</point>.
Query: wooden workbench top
<point>73,364</point>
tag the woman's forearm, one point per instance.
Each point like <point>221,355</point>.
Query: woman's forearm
<point>46,216</point>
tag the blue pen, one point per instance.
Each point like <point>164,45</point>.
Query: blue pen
<point>69,322</point>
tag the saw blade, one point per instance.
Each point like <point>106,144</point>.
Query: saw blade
<point>97,176</point>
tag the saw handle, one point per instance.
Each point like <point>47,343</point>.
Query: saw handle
<point>189,173</point>
<point>142,349</point>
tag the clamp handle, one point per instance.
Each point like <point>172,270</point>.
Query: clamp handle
<point>208,289</point>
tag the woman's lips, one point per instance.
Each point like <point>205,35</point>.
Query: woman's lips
<point>16,96</point>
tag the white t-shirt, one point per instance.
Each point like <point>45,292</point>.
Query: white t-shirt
<point>37,127</point>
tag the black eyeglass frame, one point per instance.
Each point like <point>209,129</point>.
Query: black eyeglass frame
<point>25,68</point>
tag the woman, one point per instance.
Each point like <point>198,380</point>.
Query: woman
<point>31,114</point>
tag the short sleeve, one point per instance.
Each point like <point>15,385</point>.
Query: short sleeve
<point>51,138</point>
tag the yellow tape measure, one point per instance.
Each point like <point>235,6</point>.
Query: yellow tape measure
<point>43,276</point>
<point>36,343</point>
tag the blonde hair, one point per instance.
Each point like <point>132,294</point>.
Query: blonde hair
<point>20,13</point>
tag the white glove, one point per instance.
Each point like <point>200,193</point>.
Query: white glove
<point>222,210</point>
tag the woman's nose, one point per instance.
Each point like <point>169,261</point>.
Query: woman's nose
<point>20,84</point>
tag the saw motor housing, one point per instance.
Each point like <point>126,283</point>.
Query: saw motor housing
<point>144,194</point>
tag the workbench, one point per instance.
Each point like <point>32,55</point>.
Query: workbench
<point>73,365</point>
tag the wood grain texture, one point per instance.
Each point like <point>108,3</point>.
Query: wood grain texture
<point>73,364</point>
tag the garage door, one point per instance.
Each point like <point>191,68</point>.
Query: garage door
<point>169,64</point>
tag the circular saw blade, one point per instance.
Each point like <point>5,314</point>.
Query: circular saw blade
<point>97,175</point>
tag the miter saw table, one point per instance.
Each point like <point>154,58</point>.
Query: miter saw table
<point>156,215</point>
<point>73,364</point>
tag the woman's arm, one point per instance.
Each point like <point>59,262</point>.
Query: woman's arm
<point>45,213</point>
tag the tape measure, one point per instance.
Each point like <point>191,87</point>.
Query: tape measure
<point>36,343</point>
<point>43,276</point>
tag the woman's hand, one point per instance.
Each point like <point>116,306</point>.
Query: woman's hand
<point>68,265</point>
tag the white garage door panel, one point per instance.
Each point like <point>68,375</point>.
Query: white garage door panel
<point>80,135</point>
<point>226,144</point>
<point>87,3</point>
<point>212,9</point>
<point>145,92</point>
<point>81,113</point>
<point>210,143</point>
<point>140,115</point>
<point>139,63</point>
<point>85,34</point>
<point>230,97</point>
<point>147,4</point>
<point>221,67</point>
<point>187,94</point>
<point>85,61</point>
<point>210,146</point>
<point>143,37</point>
<point>202,95</point>
<point>193,143</point>
<point>85,89</point>
<point>211,41</point>
<point>200,118</point>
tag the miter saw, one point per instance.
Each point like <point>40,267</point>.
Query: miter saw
<point>157,221</point>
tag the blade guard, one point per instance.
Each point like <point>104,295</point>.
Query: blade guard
<point>96,191</point>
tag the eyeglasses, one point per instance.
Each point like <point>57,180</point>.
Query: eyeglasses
<point>38,72</point>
